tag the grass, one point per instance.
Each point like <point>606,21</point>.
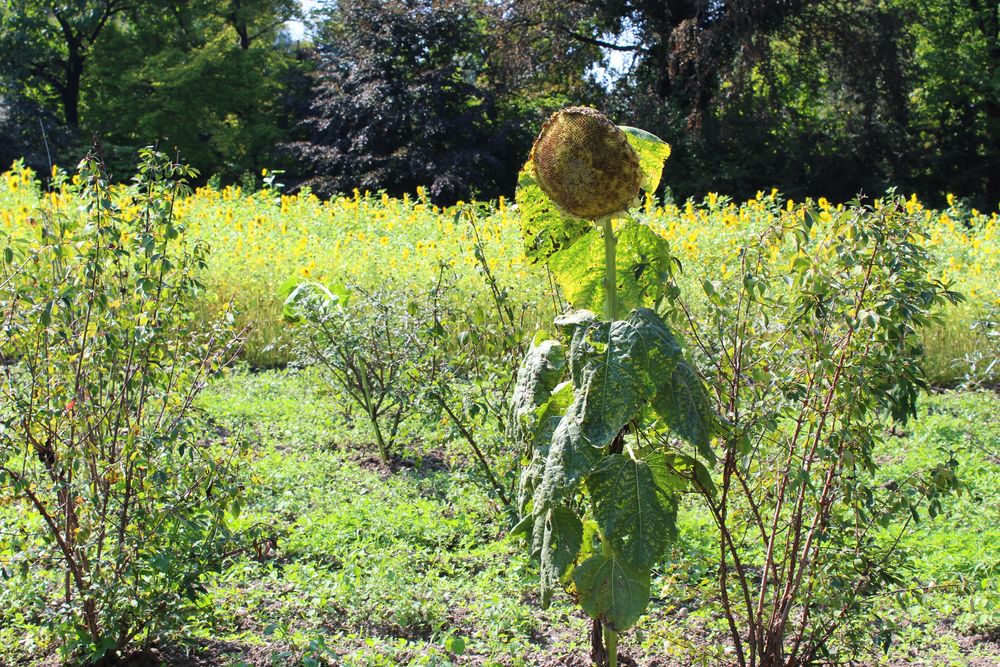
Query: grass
<point>380,567</point>
<point>372,567</point>
<point>355,564</point>
<point>359,565</point>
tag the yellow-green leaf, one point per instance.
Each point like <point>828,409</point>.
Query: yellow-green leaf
<point>652,151</point>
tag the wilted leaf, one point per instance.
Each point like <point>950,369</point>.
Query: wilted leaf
<point>547,420</point>
<point>562,537</point>
<point>541,370</point>
<point>298,293</point>
<point>612,591</point>
<point>634,508</point>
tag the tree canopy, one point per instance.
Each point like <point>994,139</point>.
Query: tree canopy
<point>815,97</point>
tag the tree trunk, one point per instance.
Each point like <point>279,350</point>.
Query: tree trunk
<point>71,92</point>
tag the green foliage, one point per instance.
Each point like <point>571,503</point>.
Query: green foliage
<point>388,568</point>
<point>546,229</point>
<point>613,590</point>
<point>370,344</point>
<point>193,89</point>
<point>643,268</point>
<point>204,78</point>
<point>815,361</point>
<point>397,102</point>
<point>684,407</point>
<point>652,152</point>
<point>635,507</point>
<point>578,400</point>
<point>122,505</point>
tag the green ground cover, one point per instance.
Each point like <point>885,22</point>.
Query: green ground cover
<point>359,565</point>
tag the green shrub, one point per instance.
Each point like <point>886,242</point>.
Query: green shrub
<point>120,502</point>
<point>370,345</point>
<point>815,363</point>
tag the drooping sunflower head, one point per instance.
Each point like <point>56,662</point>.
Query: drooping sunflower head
<point>584,162</point>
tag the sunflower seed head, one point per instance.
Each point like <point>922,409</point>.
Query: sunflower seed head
<point>584,162</point>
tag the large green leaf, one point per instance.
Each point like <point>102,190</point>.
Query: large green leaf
<point>652,152</point>
<point>612,590</point>
<point>635,508</point>
<point>545,228</point>
<point>548,417</point>
<point>682,403</point>
<point>570,458</point>
<point>541,370</point>
<point>562,538</point>
<point>616,366</point>
<point>661,349</point>
<point>643,267</point>
<point>575,327</point>
<point>579,271</point>
<point>614,382</point>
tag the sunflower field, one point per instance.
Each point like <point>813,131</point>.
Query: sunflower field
<point>160,358</point>
<point>261,239</point>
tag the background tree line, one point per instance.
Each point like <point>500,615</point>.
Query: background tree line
<point>815,97</point>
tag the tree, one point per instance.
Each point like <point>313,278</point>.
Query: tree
<point>47,44</point>
<point>820,109</point>
<point>397,103</point>
<point>31,133</point>
<point>956,107</point>
<point>817,97</point>
<point>534,56</point>
<point>185,82</point>
<point>199,76</point>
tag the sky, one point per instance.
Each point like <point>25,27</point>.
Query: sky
<point>297,29</point>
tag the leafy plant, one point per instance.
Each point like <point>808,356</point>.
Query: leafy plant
<point>470,374</point>
<point>816,361</point>
<point>598,409</point>
<point>99,444</point>
<point>371,345</point>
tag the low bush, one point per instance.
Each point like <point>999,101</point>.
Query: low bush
<point>119,501</point>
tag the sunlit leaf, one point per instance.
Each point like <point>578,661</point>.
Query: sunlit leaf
<point>643,269</point>
<point>652,151</point>
<point>544,227</point>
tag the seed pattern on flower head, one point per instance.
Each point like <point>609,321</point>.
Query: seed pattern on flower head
<point>584,162</point>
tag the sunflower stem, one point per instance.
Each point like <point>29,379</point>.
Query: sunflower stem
<point>610,271</point>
